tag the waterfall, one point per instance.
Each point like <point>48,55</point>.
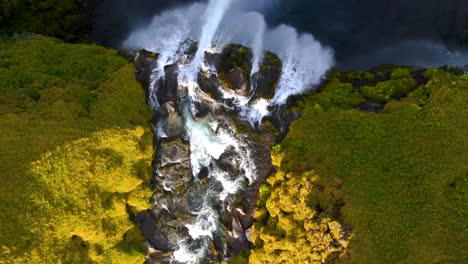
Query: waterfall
<point>257,43</point>
<point>214,14</point>
<point>206,159</point>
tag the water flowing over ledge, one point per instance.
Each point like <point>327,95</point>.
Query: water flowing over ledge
<point>209,100</point>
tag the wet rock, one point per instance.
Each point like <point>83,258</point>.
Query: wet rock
<point>213,59</point>
<point>203,107</point>
<point>229,161</point>
<point>267,78</point>
<point>282,116</point>
<point>370,107</point>
<point>169,153</point>
<point>210,85</point>
<point>144,61</point>
<point>173,171</point>
<point>168,90</point>
<point>237,81</point>
<point>203,174</point>
<point>246,220</point>
<point>239,244</point>
<point>169,124</point>
<point>220,240</point>
<point>149,231</point>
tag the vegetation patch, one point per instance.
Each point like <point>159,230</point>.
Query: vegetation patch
<point>396,179</point>
<point>65,19</point>
<point>399,85</point>
<point>289,229</point>
<point>76,154</point>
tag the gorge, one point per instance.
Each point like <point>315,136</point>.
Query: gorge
<point>233,131</point>
<point>209,100</point>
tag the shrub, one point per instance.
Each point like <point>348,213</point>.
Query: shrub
<point>276,149</point>
<point>400,83</point>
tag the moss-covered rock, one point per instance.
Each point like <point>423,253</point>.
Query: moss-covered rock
<point>268,76</point>
<point>235,57</point>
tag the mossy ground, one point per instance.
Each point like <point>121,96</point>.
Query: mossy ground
<point>400,176</point>
<point>75,154</point>
<point>65,19</point>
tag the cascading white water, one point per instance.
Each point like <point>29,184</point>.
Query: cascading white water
<point>304,59</point>
<point>214,14</point>
<point>257,43</point>
<point>304,62</point>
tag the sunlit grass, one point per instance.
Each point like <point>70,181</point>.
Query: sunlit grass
<point>75,156</point>
<point>402,173</point>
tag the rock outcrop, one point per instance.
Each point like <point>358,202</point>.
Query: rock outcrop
<point>180,189</point>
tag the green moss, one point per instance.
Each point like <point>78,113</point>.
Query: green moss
<point>276,149</point>
<point>265,193</point>
<point>270,60</point>
<point>400,83</point>
<point>431,73</point>
<point>235,56</point>
<point>400,173</point>
<point>334,94</point>
<point>72,159</point>
<point>66,19</point>
<point>355,78</point>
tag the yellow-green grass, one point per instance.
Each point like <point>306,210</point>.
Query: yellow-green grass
<point>75,154</point>
<point>401,176</point>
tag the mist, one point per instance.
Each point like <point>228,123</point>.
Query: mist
<point>361,33</point>
<point>305,60</point>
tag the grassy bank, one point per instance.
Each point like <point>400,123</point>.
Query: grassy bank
<point>75,153</point>
<point>396,180</point>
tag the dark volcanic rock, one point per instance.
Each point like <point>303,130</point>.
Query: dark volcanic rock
<point>209,85</point>
<point>178,194</point>
<point>238,81</point>
<point>144,62</point>
<point>173,166</point>
<point>229,161</point>
<point>268,76</point>
<point>146,221</point>
<point>168,91</point>
<point>371,107</point>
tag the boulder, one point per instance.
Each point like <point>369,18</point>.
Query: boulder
<point>237,81</point>
<point>229,161</point>
<point>210,85</point>
<point>370,107</point>
<point>167,91</point>
<point>144,62</point>
<point>171,127</point>
<point>266,80</point>
<point>173,171</point>
<point>169,153</point>
<point>246,220</point>
<point>150,232</point>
